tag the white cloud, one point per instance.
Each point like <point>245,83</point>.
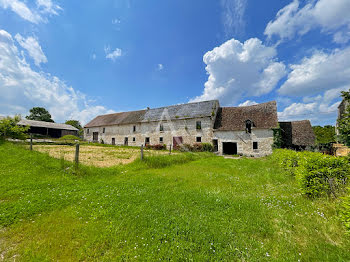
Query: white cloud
<point>330,16</point>
<point>33,15</point>
<point>33,48</point>
<point>320,109</point>
<point>318,73</point>
<point>116,21</point>
<point>22,88</point>
<point>160,67</point>
<point>237,70</point>
<point>248,103</point>
<point>113,55</point>
<point>233,16</point>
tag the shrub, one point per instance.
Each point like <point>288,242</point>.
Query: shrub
<point>196,147</point>
<point>10,129</point>
<point>287,159</point>
<point>208,147</point>
<point>156,147</point>
<point>69,137</point>
<point>345,211</point>
<point>319,174</point>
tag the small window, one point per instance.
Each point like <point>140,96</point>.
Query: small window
<point>255,145</point>
<point>198,125</point>
<point>161,140</point>
<point>161,128</point>
<point>88,131</point>
<point>133,139</point>
<point>104,130</point>
<point>248,126</point>
<point>134,129</point>
<point>147,140</point>
<point>198,139</point>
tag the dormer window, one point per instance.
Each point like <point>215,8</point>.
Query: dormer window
<point>248,126</point>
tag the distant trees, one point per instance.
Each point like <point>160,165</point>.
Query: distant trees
<point>10,129</point>
<point>324,135</point>
<point>40,114</point>
<point>76,124</point>
<point>344,122</point>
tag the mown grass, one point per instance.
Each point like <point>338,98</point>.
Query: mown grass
<point>183,207</point>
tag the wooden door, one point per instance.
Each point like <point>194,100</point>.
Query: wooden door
<point>126,140</point>
<point>177,140</point>
<point>113,141</point>
<point>95,136</point>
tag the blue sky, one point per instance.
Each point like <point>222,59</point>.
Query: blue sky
<point>80,59</point>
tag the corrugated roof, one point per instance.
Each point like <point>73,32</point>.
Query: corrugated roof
<point>35,123</point>
<point>299,133</point>
<point>263,116</point>
<point>182,111</point>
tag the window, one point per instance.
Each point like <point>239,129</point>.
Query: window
<point>198,139</point>
<point>113,141</point>
<point>161,128</point>
<point>255,145</point>
<point>146,140</point>
<point>198,125</point>
<point>161,140</point>
<point>104,130</point>
<point>134,129</point>
<point>133,139</point>
<point>248,126</point>
<point>88,131</point>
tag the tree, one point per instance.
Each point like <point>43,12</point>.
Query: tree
<point>324,135</point>
<point>40,114</point>
<point>10,129</point>
<point>76,124</point>
<point>344,121</point>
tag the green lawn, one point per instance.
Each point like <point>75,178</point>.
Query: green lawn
<point>209,208</point>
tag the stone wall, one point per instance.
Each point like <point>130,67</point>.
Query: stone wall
<point>186,128</point>
<point>244,141</point>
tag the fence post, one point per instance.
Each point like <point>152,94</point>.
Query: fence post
<point>77,154</point>
<point>141,152</point>
<point>169,149</point>
<point>31,141</point>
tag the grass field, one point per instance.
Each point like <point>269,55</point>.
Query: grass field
<point>182,207</point>
<point>101,156</point>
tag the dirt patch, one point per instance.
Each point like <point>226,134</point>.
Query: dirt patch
<point>96,155</point>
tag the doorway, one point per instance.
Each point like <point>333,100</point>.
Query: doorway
<point>95,136</point>
<point>177,140</point>
<point>113,141</point>
<point>229,148</point>
<point>126,141</point>
<point>215,145</point>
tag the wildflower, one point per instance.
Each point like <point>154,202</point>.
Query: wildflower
<point>267,254</point>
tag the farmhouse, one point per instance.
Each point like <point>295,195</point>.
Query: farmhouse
<point>297,135</point>
<point>232,130</point>
<point>53,130</point>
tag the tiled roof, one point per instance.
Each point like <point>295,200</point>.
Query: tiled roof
<point>298,133</point>
<point>182,111</point>
<point>34,123</point>
<point>263,116</point>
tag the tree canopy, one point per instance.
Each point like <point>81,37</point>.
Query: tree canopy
<point>10,129</point>
<point>324,135</point>
<point>40,114</point>
<point>76,124</point>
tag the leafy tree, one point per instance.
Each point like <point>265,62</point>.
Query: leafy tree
<point>324,135</point>
<point>344,122</point>
<point>10,129</point>
<point>40,114</point>
<point>76,124</point>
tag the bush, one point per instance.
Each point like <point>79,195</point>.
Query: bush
<point>319,174</point>
<point>197,147</point>
<point>345,211</point>
<point>156,147</point>
<point>69,137</point>
<point>287,159</point>
<point>208,147</point>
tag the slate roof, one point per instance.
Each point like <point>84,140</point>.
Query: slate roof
<point>35,123</point>
<point>263,116</point>
<point>297,133</point>
<point>175,112</point>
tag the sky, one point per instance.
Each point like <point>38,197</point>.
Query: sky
<point>80,59</point>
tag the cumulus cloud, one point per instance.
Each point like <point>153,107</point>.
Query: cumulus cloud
<point>248,103</point>
<point>33,15</point>
<point>320,72</point>
<point>330,16</point>
<point>33,48</point>
<point>160,67</point>
<point>22,88</point>
<point>113,54</point>
<point>237,70</point>
<point>233,16</point>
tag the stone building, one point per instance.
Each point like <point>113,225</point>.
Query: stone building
<point>297,135</point>
<point>232,130</point>
<point>341,111</point>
